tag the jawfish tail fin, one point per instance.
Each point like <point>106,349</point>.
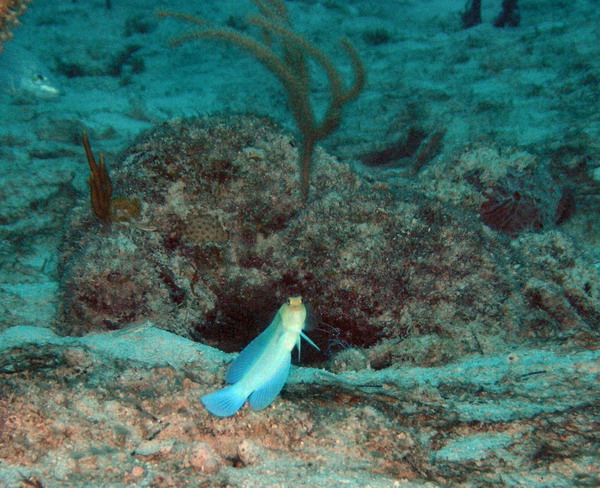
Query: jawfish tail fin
<point>225,402</point>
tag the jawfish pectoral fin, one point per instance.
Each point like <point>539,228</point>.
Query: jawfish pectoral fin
<point>307,339</point>
<point>264,395</point>
<point>299,345</point>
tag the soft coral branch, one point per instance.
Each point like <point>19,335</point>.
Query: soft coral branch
<point>100,185</point>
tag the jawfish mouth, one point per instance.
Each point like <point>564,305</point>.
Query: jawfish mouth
<point>295,304</point>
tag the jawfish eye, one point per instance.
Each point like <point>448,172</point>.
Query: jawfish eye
<point>38,78</point>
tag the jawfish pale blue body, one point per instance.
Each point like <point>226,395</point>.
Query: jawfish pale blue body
<point>262,368</point>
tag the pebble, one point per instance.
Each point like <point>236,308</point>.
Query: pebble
<point>203,458</point>
<point>148,448</point>
<point>250,453</point>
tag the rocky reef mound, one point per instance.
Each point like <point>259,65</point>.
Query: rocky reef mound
<point>210,235</point>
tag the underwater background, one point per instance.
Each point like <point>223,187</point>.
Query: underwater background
<point>424,173</point>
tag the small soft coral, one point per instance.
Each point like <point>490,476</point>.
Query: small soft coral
<point>105,207</point>
<point>9,12</point>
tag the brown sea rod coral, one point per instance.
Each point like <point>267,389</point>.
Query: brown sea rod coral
<point>286,54</point>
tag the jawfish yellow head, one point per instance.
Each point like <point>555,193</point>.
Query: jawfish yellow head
<point>293,315</point>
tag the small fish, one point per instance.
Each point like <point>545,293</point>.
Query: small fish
<point>262,368</point>
<point>22,74</point>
